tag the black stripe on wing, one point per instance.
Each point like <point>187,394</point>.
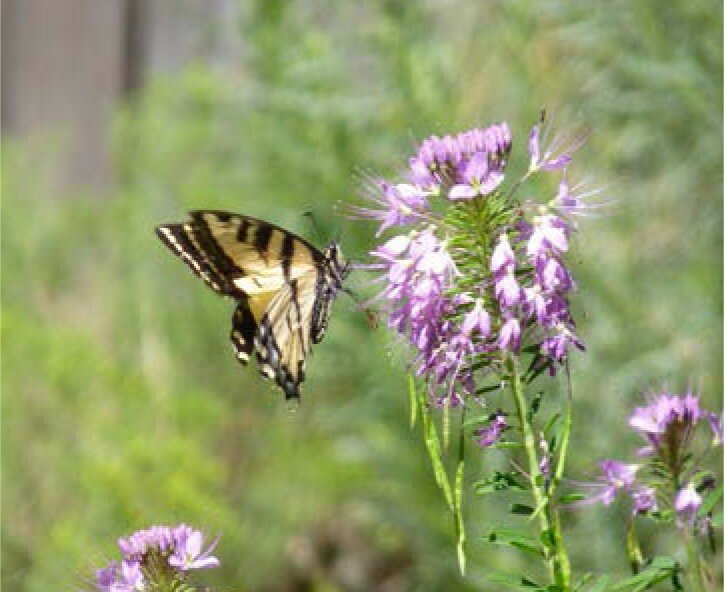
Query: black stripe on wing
<point>243,331</point>
<point>178,239</point>
<point>203,236</point>
<point>269,351</point>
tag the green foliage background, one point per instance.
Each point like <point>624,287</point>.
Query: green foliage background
<point>122,404</point>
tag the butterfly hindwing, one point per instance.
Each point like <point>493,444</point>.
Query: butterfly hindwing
<point>284,337</point>
<point>244,329</point>
<point>284,286</point>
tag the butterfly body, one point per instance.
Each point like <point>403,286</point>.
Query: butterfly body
<point>284,286</point>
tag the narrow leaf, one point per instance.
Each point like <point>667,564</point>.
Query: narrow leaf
<point>507,445</point>
<point>412,399</point>
<point>459,516</point>
<point>513,582</point>
<point>571,497</point>
<point>521,509</point>
<point>550,424</point>
<point>710,501</point>
<point>433,446</point>
<point>515,539</point>
<point>500,481</point>
<point>632,546</point>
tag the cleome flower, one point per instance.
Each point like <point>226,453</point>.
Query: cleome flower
<point>667,423</point>
<point>471,275</point>
<point>670,463</point>
<point>155,556</point>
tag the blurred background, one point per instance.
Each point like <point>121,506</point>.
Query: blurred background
<point>122,403</point>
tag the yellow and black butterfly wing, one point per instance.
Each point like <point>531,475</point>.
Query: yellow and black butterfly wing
<point>284,337</point>
<point>276,278</point>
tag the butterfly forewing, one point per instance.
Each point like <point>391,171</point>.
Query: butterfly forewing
<point>277,278</point>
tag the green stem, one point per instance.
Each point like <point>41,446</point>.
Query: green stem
<point>694,561</point>
<point>557,562</point>
<point>563,447</point>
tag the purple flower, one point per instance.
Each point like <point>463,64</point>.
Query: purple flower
<point>477,178</point>
<point>107,578</point>
<point>507,290</point>
<point>521,291</point>
<point>490,434</point>
<point>477,319</point>
<point>617,475</point>
<point>687,502</point>
<point>667,424</point>
<point>715,422</point>
<point>557,155</point>
<point>502,260</point>
<point>545,461</point>
<point>549,235</point>
<point>644,500</point>
<point>557,345</point>
<point>120,577</point>
<point>188,552</point>
<point>435,162</point>
<point>570,201</point>
<point>180,548</point>
<point>399,205</point>
<point>510,335</point>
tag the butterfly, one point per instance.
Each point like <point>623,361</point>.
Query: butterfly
<point>284,286</point>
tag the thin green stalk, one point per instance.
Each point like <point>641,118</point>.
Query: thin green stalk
<point>559,569</point>
<point>694,561</point>
<point>563,447</point>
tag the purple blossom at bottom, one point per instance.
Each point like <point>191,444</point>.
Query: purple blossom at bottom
<point>715,422</point>
<point>179,548</point>
<point>188,552</point>
<point>644,500</point>
<point>687,502</point>
<point>616,476</point>
<point>668,425</point>
<point>490,434</point>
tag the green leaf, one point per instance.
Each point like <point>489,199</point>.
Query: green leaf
<point>538,365</point>
<point>446,422</point>
<point>600,585</point>
<point>507,445</point>
<point>632,546</point>
<point>488,389</point>
<point>500,481</point>
<point>521,509</point>
<point>513,538</point>
<point>476,420</point>
<point>571,497</point>
<point>550,424</point>
<point>513,582</point>
<point>412,399</point>
<point>534,405</point>
<point>433,446</point>
<point>459,516</point>
<point>710,501</point>
<point>657,570</point>
<point>547,538</point>
<point>580,584</point>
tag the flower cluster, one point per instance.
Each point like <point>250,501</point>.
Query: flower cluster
<point>668,423</point>
<point>486,275</point>
<point>157,553</point>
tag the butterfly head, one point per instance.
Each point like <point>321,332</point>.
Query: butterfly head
<point>336,264</point>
